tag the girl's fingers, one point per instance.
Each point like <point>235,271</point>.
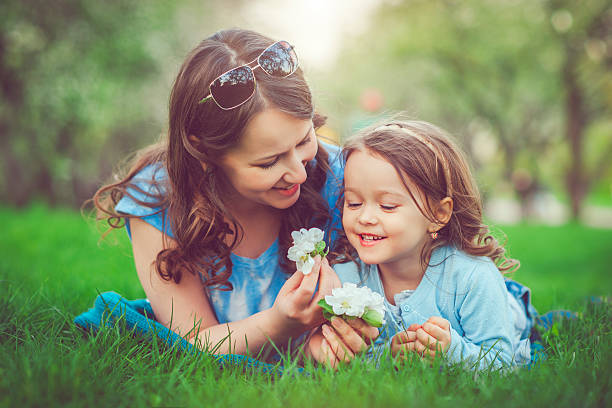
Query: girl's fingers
<point>404,337</point>
<point>414,327</point>
<point>440,322</point>
<point>426,340</point>
<point>403,348</point>
<point>435,331</point>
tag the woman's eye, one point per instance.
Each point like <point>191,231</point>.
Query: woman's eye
<point>353,205</point>
<point>269,164</point>
<point>388,207</point>
<point>305,141</point>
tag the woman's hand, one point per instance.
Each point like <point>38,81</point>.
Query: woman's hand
<point>296,303</point>
<point>341,341</point>
<point>426,340</point>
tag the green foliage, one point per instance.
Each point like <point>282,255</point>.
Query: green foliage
<point>494,74</point>
<point>75,76</point>
<point>52,265</point>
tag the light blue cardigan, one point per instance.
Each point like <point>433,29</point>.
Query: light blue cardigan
<point>488,326</point>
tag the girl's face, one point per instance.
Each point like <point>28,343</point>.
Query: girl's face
<point>267,166</point>
<point>380,218</point>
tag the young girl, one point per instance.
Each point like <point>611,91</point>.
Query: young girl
<point>412,219</point>
<point>210,209</point>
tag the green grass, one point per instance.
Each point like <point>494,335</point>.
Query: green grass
<point>51,268</point>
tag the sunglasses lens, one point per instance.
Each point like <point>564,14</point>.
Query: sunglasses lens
<point>233,88</point>
<point>279,59</point>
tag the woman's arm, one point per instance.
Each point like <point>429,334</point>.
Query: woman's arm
<point>185,305</point>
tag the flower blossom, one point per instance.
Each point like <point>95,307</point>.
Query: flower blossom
<point>306,245</point>
<point>353,301</point>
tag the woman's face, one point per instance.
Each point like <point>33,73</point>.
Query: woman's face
<point>267,166</point>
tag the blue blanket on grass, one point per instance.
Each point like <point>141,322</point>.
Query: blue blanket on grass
<point>109,307</point>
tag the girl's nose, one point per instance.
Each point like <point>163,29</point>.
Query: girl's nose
<point>367,215</point>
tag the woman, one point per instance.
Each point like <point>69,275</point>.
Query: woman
<point>211,209</point>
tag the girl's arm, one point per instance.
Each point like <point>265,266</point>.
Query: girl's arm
<point>185,305</point>
<point>484,315</point>
<point>485,318</point>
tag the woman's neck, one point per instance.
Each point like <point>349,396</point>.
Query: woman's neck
<point>402,274</point>
<point>260,227</point>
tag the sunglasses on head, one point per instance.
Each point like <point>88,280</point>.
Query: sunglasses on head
<point>236,86</point>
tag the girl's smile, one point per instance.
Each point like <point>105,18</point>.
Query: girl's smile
<point>369,240</point>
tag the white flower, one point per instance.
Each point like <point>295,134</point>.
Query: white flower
<point>350,300</point>
<point>347,300</point>
<point>306,244</point>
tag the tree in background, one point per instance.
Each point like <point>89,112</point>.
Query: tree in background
<point>584,34</point>
<point>485,70</point>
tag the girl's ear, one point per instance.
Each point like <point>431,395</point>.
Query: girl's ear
<point>443,211</point>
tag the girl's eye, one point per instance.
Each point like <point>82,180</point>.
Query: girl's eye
<point>388,207</point>
<point>268,165</point>
<point>353,205</point>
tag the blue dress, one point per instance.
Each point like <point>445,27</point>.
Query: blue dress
<point>256,282</point>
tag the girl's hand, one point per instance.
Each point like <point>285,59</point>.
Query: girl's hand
<point>296,303</point>
<point>404,342</point>
<point>346,338</point>
<point>426,340</point>
<point>434,336</point>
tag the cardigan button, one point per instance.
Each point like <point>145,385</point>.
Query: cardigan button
<point>405,308</point>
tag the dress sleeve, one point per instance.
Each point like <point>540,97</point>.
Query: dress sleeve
<point>149,183</point>
<point>484,316</point>
<point>333,189</point>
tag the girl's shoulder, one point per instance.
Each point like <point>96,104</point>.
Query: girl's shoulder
<point>357,272</point>
<point>464,269</point>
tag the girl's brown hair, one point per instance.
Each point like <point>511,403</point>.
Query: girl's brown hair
<point>427,156</point>
<point>192,197</point>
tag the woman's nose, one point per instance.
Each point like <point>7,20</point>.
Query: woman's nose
<point>296,172</point>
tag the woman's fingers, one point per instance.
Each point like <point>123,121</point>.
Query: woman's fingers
<point>368,333</point>
<point>307,287</point>
<point>348,335</point>
<point>328,280</point>
<point>328,355</point>
<point>340,350</point>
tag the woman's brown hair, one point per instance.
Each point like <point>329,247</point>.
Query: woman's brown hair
<point>427,156</point>
<point>191,197</point>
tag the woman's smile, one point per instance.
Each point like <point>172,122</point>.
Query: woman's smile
<point>287,191</point>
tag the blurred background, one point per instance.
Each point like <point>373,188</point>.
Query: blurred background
<point>524,85</point>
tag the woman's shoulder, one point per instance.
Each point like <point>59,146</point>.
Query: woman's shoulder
<point>143,197</point>
<point>336,161</point>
